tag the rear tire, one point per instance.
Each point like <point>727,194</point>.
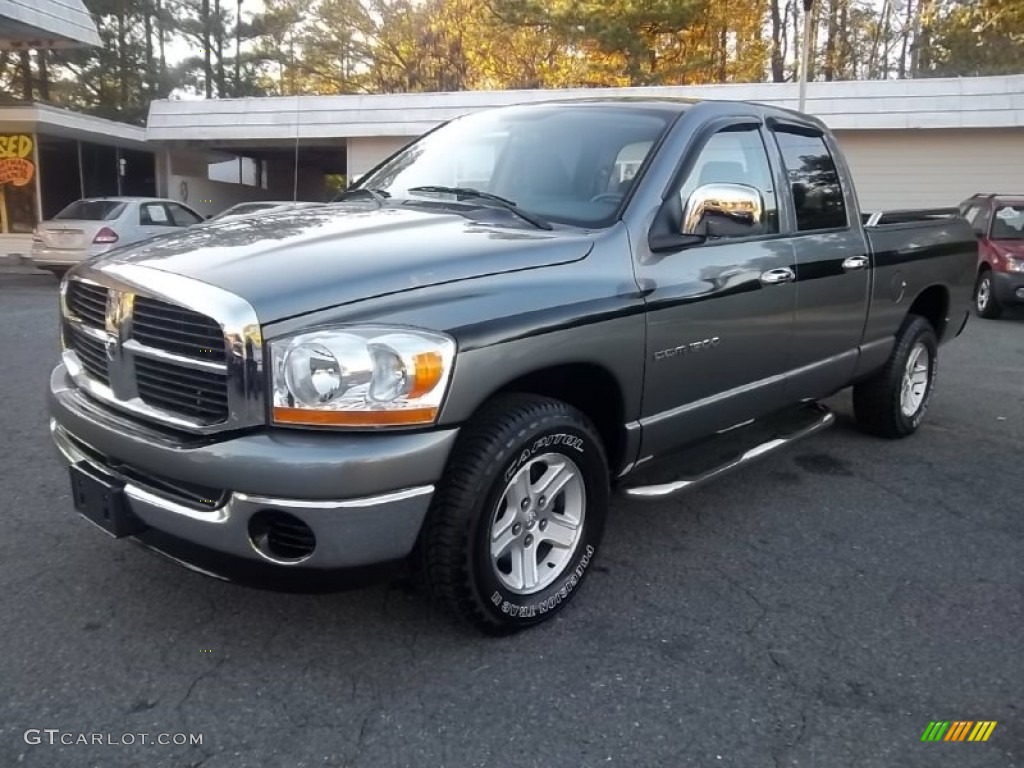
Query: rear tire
<point>500,548</point>
<point>985,302</point>
<point>893,402</point>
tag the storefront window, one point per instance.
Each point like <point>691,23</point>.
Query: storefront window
<point>17,184</point>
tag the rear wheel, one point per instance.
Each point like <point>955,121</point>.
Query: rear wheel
<point>518,516</point>
<point>985,302</point>
<point>893,402</point>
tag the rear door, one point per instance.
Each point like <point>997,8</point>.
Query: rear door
<point>833,263</point>
<point>154,219</point>
<point>720,323</point>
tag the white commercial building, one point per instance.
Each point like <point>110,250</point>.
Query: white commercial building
<point>38,24</point>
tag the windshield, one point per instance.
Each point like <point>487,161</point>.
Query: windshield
<point>1008,223</point>
<point>564,163</point>
<point>91,210</point>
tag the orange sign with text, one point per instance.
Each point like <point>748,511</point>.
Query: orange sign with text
<point>15,166</point>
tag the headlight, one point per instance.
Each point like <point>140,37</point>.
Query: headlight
<point>1013,264</point>
<point>368,376</point>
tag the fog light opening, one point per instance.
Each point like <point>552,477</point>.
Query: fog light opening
<point>281,537</point>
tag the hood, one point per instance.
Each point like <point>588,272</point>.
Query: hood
<point>293,262</point>
<point>1013,248</point>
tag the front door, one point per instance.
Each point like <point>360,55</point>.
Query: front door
<point>720,314</point>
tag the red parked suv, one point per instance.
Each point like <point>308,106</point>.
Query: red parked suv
<point>998,221</point>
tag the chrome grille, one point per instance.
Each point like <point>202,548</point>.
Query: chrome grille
<point>88,302</point>
<point>176,329</point>
<point>200,395</point>
<point>90,353</point>
<point>166,348</point>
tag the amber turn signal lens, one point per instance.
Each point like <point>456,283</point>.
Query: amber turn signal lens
<point>429,367</point>
<point>309,417</point>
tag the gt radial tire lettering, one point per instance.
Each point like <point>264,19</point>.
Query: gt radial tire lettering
<point>569,441</point>
<point>552,602</point>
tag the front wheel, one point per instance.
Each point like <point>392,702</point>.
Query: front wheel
<point>985,302</point>
<point>892,403</point>
<point>518,516</point>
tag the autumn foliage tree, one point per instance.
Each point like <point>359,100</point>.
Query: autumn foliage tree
<point>221,48</point>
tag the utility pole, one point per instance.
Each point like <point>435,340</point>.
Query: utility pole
<point>805,52</point>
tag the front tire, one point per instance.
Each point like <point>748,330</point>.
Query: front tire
<point>893,402</point>
<point>518,517</point>
<point>985,302</point>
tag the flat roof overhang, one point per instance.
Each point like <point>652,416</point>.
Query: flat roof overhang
<point>61,123</point>
<point>39,24</point>
<point>976,102</point>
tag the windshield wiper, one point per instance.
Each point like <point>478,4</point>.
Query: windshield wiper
<point>379,195</point>
<point>503,202</point>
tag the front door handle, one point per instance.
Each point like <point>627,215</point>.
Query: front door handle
<point>855,262</point>
<point>777,276</point>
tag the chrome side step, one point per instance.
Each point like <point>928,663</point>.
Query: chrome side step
<point>803,422</point>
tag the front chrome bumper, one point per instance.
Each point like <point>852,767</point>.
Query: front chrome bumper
<point>390,481</point>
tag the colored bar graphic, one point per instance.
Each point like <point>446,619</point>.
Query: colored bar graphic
<point>982,730</point>
<point>958,730</point>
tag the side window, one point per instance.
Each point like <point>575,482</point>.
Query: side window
<point>182,216</point>
<point>977,217</point>
<point>736,157</point>
<point>153,214</point>
<point>814,181</point>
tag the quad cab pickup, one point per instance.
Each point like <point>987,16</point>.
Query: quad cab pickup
<point>455,363</point>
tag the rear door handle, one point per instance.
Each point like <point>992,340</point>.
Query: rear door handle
<point>777,276</point>
<point>855,262</point>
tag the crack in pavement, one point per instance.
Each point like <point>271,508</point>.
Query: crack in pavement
<point>198,679</point>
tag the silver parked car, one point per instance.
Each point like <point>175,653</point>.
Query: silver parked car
<point>93,226</point>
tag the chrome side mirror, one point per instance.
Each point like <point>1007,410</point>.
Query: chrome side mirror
<point>723,210</point>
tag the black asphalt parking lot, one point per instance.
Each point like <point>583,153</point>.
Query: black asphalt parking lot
<point>817,609</point>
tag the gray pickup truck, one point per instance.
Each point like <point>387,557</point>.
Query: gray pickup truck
<point>456,363</point>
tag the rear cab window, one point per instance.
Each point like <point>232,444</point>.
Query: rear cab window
<point>91,210</point>
<point>814,182</point>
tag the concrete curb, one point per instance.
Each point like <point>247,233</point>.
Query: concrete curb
<point>17,265</point>
<point>4,270</point>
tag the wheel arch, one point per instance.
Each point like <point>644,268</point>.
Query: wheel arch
<point>590,388</point>
<point>933,305</point>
